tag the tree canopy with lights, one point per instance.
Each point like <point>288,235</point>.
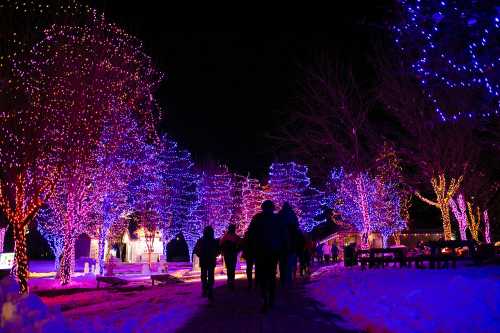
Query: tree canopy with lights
<point>452,47</point>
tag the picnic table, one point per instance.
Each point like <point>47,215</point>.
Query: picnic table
<point>379,257</point>
<point>164,278</point>
<point>112,280</point>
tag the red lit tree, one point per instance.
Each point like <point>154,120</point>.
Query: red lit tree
<point>55,100</point>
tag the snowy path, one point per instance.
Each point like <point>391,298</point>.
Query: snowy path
<point>239,311</point>
<point>179,307</point>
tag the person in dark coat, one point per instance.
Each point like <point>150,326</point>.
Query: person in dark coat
<point>250,261</point>
<point>207,249</point>
<point>335,252</point>
<point>230,246</point>
<point>305,254</point>
<point>319,253</point>
<point>267,240</point>
<point>288,259</point>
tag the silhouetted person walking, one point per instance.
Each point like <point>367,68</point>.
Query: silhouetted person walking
<point>267,241</point>
<point>288,258</point>
<point>207,249</point>
<point>249,259</point>
<point>230,245</point>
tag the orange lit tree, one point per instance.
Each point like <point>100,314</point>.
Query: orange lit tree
<point>441,152</point>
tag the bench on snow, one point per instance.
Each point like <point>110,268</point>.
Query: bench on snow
<point>112,280</point>
<point>164,278</point>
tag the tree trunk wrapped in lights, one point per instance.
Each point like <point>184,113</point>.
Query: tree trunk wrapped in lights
<point>67,264</point>
<point>487,231</point>
<point>460,212</point>
<point>21,257</point>
<point>444,193</point>
<point>2,238</point>
<point>474,220</point>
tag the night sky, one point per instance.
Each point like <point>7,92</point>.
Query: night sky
<point>227,90</point>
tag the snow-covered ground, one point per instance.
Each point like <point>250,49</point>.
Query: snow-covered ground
<point>136,307</point>
<point>466,299</point>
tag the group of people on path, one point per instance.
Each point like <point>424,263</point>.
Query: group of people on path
<point>272,240</point>
<point>325,252</point>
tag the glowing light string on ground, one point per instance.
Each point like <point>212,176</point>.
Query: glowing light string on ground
<point>460,212</point>
<point>448,67</point>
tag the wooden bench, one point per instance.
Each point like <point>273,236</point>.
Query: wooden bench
<point>164,278</point>
<point>379,257</point>
<point>112,280</point>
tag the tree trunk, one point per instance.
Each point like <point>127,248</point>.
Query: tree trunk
<point>21,258</point>
<point>445,213</point>
<point>67,265</point>
<point>57,263</point>
<point>384,241</point>
<point>101,251</point>
<point>2,238</point>
<point>397,237</point>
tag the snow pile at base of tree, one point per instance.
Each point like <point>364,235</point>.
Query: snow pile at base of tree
<point>465,299</point>
<point>26,313</point>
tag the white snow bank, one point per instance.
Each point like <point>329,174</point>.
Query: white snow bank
<point>148,309</point>
<point>26,313</point>
<point>412,300</point>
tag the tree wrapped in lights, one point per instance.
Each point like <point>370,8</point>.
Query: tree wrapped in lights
<point>445,153</point>
<point>180,178</point>
<point>459,209</point>
<point>115,165</point>
<point>487,231</point>
<point>449,67</point>
<point>49,227</point>
<point>388,210</point>
<point>147,190</point>
<point>389,171</point>
<point>237,208</point>
<point>311,207</point>
<point>444,193</point>
<point>252,198</point>
<point>287,183</point>
<point>57,97</point>
<point>150,223</point>
<point>216,203</point>
<point>357,194</point>
<point>474,220</point>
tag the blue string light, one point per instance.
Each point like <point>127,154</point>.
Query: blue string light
<point>453,47</point>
